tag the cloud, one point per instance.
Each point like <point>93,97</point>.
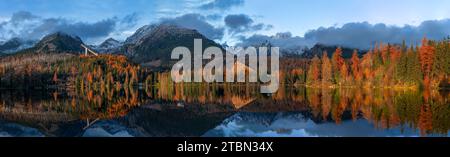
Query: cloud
<point>168,12</point>
<point>222,4</point>
<point>214,17</point>
<point>364,35</point>
<point>240,23</point>
<point>22,16</point>
<point>81,29</point>
<point>129,20</point>
<point>284,35</point>
<point>32,27</point>
<point>237,21</point>
<point>197,22</point>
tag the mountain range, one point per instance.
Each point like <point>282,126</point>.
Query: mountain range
<point>15,44</point>
<point>108,46</point>
<point>319,49</point>
<point>305,52</point>
<point>150,45</point>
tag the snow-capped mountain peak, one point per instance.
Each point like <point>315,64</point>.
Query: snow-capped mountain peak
<point>110,43</point>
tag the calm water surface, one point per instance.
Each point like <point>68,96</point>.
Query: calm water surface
<point>230,111</point>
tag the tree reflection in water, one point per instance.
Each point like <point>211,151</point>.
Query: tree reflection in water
<point>194,109</point>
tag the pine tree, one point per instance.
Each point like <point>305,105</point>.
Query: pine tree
<point>414,74</point>
<point>400,72</point>
<point>377,60</point>
<point>441,63</point>
<point>378,67</point>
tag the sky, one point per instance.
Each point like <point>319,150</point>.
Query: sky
<point>302,22</point>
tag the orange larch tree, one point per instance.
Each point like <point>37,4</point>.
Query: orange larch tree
<point>395,53</point>
<point>344,72</point>
<point>55,76</point>
<point>326,70</point>
<point>426,57</point>
<point>314,70</point>
<point>355,66</point>
<point>384,52</point>
<point>366,66</point>
<point>337,59</point>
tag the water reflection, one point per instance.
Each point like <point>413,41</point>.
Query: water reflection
<point>296,125</point>
<point>224,110</point>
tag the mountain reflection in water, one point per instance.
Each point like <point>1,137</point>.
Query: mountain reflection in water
<point>221,110</point>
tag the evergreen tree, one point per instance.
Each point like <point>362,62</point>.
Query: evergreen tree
<point>414,74</point>
<point>441,63</point>
<point>400,72</point>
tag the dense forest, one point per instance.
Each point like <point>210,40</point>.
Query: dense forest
<point>48,70</point>
<point>386,66</point>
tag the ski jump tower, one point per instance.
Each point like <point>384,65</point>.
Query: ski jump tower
<point>88,51</point>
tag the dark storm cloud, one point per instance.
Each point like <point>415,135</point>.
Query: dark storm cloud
<point>32,27</point>
<point>237,21</point>
<point>197,22</point>
<point>222,4</point>
<point>214,17</point>
<point>243,23</point>
<point>365,35</point>
<point>81,29</point>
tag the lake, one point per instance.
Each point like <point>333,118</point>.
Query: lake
<point>224,111</point>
